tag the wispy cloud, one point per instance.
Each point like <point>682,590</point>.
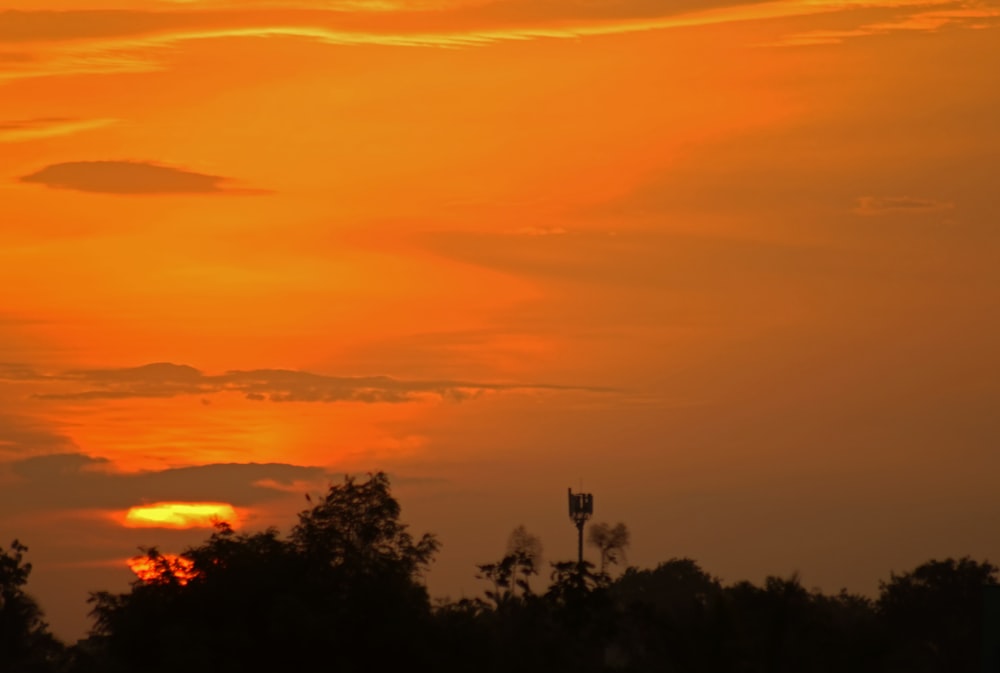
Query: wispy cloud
<point>12,371</point>
<point>126,41</point>
<point>129,177</point>
<point>640,260</point>
<point>539,231</point>
<point>958,15</point>
<point>50,27</point>
<point>160,380</point>
<point>879,205</point>
<point>20,130</point>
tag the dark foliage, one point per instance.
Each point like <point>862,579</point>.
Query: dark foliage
<point>933,615</point>
<point>26,645</point>
<point>343,589</point>
<point>343,592</point>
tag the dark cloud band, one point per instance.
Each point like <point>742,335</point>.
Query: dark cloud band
<point>73,480</point>
<point>164,379</point>
<point>128,177</point>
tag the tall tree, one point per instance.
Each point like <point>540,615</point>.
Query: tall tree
<point>526,550</point>
<point>611,541</point>
<point>524,554</point>
<point>356,529</point>
<point>25,642</point>
<point>344,588</point>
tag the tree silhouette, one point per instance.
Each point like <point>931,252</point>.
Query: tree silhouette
<point>611,541</point>
<point>356,530</point>
<point>526,550</point>
<point>514,570</point>
<point>25,642</point>
<point>500,574</point>
<point>933,615</point>
<point>343,592</point>
<point>342,588</point>
<point>670,614</point>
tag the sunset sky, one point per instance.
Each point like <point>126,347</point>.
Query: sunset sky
<point>732,267</point>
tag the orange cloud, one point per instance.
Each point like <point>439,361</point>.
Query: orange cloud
<point>127,177</point>
<point>34,129</point>
<point>94,41</point>
<point>164,379</point>
<point>927,21</point>
<point>180,515</point>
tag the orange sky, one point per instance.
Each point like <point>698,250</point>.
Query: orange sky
<point>731,267</point>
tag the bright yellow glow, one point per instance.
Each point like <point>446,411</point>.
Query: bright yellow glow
<point>180,515</point>
<point>689,224</point>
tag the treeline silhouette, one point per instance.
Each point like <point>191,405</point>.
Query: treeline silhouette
<point>343,592</point>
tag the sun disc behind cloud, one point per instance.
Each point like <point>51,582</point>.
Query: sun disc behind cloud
<point>180,515</point>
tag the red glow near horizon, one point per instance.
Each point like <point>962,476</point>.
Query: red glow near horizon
<point>159,569</point>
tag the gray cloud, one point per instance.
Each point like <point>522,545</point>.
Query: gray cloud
<point>76,481</point>
<point>165,379</point>
<point>128,177</point>
<point>19,435</point>
<point>12,371</point>
<point>636,259</point>
<point>878,205</point>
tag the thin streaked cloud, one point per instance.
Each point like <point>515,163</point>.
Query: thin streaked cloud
<point>922,21</point>
<point>880,205</point>
<point>117,41</point>
<point>165,380</point>
<point>23,130</point>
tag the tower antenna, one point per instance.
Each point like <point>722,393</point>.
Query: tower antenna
<point>581,508</point>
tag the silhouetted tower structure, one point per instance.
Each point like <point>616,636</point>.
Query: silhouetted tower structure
<point>581,508</point>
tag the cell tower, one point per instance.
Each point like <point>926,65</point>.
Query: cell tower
<point>581,508</point>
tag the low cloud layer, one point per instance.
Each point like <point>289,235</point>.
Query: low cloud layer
<point>127,177</point>
<point>19,435</point>
<point>160,380</point>
<point>640,260</point>
<point>66,481</point>
<point>13,371</point>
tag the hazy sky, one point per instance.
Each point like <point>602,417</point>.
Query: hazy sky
<point>733,267</point>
